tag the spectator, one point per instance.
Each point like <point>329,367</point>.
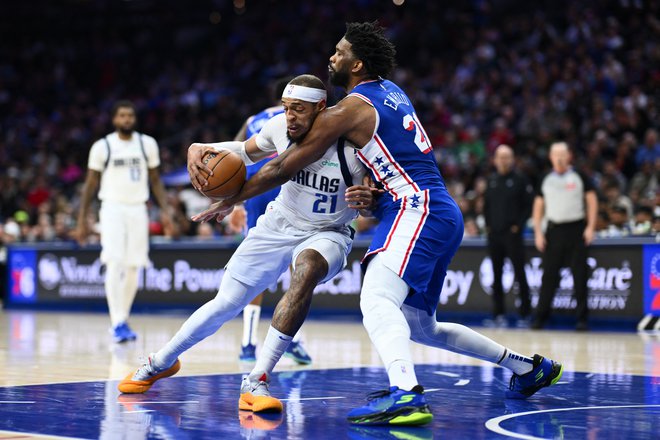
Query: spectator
<point>643,222</point>
<point>649,151</point>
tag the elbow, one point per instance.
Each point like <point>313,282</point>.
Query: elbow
<point>280,173</point>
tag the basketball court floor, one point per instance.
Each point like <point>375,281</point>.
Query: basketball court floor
<point>59,373</point>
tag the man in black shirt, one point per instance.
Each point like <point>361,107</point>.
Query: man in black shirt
<point>508,204</point>
<point>568,201</point>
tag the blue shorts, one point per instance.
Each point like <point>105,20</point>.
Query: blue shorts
<point>256,206</point>
<point>417,238</point>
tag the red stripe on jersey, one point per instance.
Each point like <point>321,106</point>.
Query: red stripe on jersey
<point>396,165</point>
<point>396,223</point>
<point>415,236</point>
<point>378,177</point>
<point>362,97</point>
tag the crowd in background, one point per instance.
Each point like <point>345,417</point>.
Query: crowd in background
<point>480,73</point>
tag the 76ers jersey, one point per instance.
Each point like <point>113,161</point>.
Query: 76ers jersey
<point>314,197</point>
<point>254,126</point>
<point>421,225</point>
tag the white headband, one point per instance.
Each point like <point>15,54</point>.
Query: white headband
<point>303,93</point>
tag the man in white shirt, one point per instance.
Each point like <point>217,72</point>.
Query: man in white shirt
<point>124,162</point>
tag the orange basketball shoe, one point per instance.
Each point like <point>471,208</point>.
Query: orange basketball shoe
<point>255,396</point>
<point>145,376</point>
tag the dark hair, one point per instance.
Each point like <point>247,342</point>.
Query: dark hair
<point>124,103</point>
<point>278,87</point>
<point>369,45</point>
<point>306,80</point>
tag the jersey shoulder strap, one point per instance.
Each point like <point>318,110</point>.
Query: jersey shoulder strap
<point>343,165</point>
<point>107,147</point>
<point>144,153</point>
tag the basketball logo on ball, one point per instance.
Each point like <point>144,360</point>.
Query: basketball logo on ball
<point>228,174</point>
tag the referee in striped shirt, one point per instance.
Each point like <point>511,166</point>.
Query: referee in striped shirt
<point>568,200</point>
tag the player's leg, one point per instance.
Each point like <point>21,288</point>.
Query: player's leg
<point>255,207</point>
<point>530,373</point>
<point>251,315</point>
<point>383,293</point>
<point>232,297</point>
<point>256,264</point>
<point>114,239</point>
<point>136,223</point>
<point>315,260</point>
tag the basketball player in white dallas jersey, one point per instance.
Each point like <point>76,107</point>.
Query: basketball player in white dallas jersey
<point>124,162</point>
<point>306,225</point>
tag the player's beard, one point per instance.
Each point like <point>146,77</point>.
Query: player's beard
<point>298,139</point>
<point>338,77</point>
<point>125,131</point>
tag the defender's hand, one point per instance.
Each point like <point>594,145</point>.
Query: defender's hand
<point>218,211</point>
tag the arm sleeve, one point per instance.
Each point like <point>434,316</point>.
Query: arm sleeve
<point>587,183</point>
<point>98,155</point>
<point>538,190</point>
<point>266,137</point>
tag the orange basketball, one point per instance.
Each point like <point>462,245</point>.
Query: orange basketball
<point>228,174</point>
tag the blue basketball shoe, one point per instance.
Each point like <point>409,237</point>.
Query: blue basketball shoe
<point>248,353</point>
<point>297,352</point>
<point>393,407</point>
<point>545,372</point>
<point>122,333</point>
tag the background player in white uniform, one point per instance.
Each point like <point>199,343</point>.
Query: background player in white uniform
<point>306,225</point>
<point>124,162</point>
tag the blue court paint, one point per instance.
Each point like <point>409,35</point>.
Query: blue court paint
<point>467,401</point>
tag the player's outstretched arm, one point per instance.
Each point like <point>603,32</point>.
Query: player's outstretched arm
<point>351,118</point>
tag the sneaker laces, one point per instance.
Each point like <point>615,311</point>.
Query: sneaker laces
<point>257,387</point>
<point>512,382</point>
<point>145,371</point>
<point>378,394</point>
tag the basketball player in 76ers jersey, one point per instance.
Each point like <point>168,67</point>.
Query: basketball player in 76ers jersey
<point>124,162</point>
<point>420,230</point>
<point>306,225</point>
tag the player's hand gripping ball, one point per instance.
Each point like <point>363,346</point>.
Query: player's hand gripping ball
<point>228,174</point>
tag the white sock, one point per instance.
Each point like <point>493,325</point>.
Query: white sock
<point>399,374</point>
<point>516,362</point>
<point>232,297</point>
<point>128,290</point>
<point>383,293</point>
<point>251,314</point>
<point>460,339</point>
<point>113,292</point>
<point>274,346</point>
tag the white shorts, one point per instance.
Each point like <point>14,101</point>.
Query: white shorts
<point>124,234</point>
<point>273,244</point>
